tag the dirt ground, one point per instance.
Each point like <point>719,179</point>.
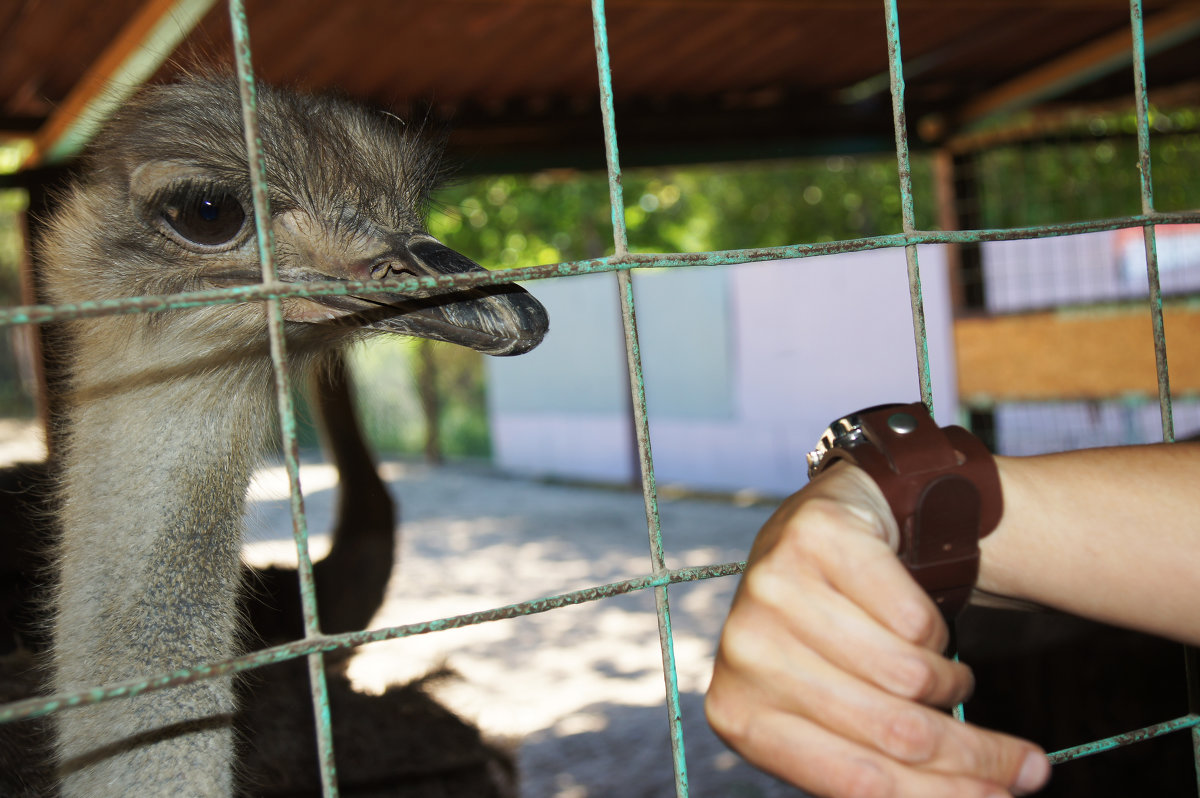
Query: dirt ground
<point>578,691</point>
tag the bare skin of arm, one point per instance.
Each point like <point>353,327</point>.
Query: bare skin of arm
<point>830,671</point>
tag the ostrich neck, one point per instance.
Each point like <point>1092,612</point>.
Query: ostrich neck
<point>155,474</point>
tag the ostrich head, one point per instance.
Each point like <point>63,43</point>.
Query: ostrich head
<point>168,411</point>
<point>165,207</point>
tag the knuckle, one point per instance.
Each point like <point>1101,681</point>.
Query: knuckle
<point>908,735</point>
<point>964,683</point>
<point>779,596</point>
<point>861,779</point>
<point>763,587</point>
<point>936,633</point>
<point>741,646</point>
<point>818,518</point>
<point>973,760</point>
<point>990,757</point>
<point>916,679</point>
<point>726,716</point>
<point>818,537</point>
<point>995,759</point>
<point>924,626</point>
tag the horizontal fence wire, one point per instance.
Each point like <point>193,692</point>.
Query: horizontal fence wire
<point>35,707</point>
<point>431,286</point>
<point>1191,721</point>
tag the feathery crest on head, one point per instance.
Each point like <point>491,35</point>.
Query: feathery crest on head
<point>321,152</point>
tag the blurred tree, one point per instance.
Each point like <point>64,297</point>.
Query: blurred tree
<point>16,378</point>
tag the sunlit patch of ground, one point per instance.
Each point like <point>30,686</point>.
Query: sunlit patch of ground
<point>579,689</point>
<point>20,440</point>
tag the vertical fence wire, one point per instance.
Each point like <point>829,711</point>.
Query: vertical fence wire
<point>1147,186</point>
<point>638,397</point>
<point>283,390</point>
<point>916,299</point>
<point>904,168</point>
<point>1191,662</point>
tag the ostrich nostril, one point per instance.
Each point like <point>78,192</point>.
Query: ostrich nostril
<point>386,269</point>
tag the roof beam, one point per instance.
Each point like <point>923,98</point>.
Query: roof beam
<point>147,40</point>
<point>1083,65</point>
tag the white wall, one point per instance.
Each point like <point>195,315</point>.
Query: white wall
<point>744,367</point>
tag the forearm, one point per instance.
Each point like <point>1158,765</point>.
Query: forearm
<point>1110,534</point>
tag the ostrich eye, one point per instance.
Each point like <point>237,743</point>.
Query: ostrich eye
<point>207,218</point>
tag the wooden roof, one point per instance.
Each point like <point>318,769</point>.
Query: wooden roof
<point>693,79</point>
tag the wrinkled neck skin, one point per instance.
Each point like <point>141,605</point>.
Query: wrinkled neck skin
<point>159,452</point>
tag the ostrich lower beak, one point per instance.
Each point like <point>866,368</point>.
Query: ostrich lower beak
<point>493,319</point>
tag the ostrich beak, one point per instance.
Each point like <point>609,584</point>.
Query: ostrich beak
<point>493,319</point>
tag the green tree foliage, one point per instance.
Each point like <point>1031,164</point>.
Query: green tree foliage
<point>1090,172</point>
<point>388,374</point>
<point>511,221</point>
<point>16,389</point>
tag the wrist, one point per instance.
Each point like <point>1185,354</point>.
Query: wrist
<point>1002,562</point>
<point>940,483</point>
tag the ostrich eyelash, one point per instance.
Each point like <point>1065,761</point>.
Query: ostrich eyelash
<point>184,193</point>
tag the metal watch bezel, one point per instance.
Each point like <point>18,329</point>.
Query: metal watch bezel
<point>840,434</point>
<point>843,434</point>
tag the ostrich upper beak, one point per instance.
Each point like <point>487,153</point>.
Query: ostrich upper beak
<point>493,319</point>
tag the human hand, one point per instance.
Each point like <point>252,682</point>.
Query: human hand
<point>830,671</point>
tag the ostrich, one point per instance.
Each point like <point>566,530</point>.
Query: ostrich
<point>167,413</point>
<point>401,743</point>
<point>351,579</point>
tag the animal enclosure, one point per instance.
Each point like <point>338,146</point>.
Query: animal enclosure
<point>967,237</point>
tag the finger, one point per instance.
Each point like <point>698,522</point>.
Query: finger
<point>875,580</point>
<point>791,678</point>
<point>813,613</point>
<point>804,753</point>
<point>805,599</point>
<point>880,584</point>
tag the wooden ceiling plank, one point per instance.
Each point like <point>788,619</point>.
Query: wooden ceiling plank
<point>854,5</point>
<point>1080,66</point>
<point>416,53</point>
<point>292,54</point>
<point>773,61</point>
<point>549,47</point>
<point>146,41</point>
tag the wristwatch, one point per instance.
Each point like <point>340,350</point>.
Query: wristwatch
<point>941,483</point>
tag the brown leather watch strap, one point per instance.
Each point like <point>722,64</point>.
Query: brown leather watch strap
<point>943,488</point>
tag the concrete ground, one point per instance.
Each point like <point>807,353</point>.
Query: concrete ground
<point>579,690</point>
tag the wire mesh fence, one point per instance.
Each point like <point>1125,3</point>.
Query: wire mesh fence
<point>1147,268</point>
